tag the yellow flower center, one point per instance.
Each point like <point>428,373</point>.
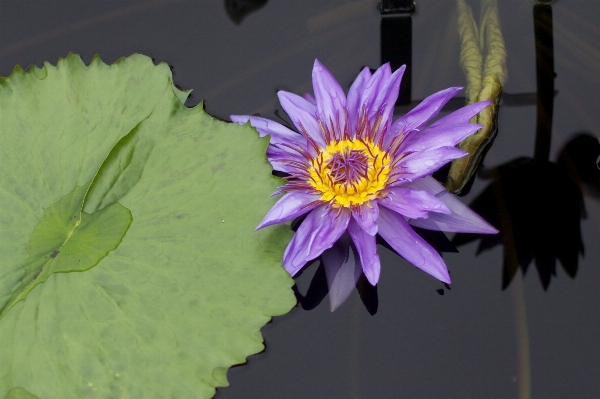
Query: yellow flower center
<point>349,172</point>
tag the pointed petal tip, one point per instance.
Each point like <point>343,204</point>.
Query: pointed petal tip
<point>262,225</point>
<point>397,76</point>
<point>366,71</point>
<point>318,65</point>
<point>489,229</point>
<point>333,304</point>
<point>372,270</point>
<point>453,90</point>
<point>372,278</point>
<point>386,66</point>
<point>460,153</point>
<point>442,274</point>
<point>447,279</point>
<point>401,69</point>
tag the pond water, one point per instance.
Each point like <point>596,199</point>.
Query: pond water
<point>476,340</point>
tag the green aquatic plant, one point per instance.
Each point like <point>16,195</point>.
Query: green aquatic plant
<point>130,267</point>
<point>483,59</point>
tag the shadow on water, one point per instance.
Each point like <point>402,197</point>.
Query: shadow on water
<point>318,289</point>
<point>538,209</point>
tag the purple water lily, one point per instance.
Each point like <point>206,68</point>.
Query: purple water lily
<point>358,174</point>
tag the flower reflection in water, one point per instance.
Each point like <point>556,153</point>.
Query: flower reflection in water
<point>580,158</point>
<point>354,174</point>
<point>538,206</point>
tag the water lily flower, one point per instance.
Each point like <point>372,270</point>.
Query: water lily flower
<point>356,174</point>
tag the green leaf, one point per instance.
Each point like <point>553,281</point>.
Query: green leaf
<point>484,82</point>
<point>477,42</point>
<point>160,307</point>
<point>471,59</point>
<point>20,393</point>
<point>58,124</point>
<point>495,59</point>
<point>67,240</point>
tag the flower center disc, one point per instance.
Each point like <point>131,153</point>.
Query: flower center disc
<point>349,172</point>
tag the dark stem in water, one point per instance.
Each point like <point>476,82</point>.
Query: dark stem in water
<point>544,63</point>
<point>396,41</point>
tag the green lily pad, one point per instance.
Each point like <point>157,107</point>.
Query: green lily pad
<point>20,393</point>
<point>68,240</point>
<point>130,265</point>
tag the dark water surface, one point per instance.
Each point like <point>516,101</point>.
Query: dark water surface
<point>476,340</point>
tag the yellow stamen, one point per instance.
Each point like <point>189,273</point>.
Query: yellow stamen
<point>362,180</point>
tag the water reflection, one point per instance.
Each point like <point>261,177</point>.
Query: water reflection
<point>320,286</point>
<point>538,208</point>
<point>237,10</point>
<point>396,41</point>
<point>580,158</point>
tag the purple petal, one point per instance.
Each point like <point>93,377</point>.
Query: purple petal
<point>290,206</point>
<point>439,136</point>
<point>366,217</point>
<point>279,133</point>
<point>462,115</point>
<point>398,234</point>
<point>412,203</point>
<point>355,96</point>
<point>386,98</point>
<point>280,159</point>
<point>367,250</point>
<point>372,91</point>
<point>310,98</point>
<point>342,271</point>
<point>461,219</point>
<point>319,231</point>
<point>331,100</point>
<point>303,115</point>
<point>427,109</point>
<point>428,184</point>
<point>420,164</point>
